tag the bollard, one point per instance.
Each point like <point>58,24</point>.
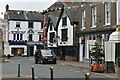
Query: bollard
<point>33,76</point>
<point>51,70</point>
<point>18,70</point>
<point>87,75</point>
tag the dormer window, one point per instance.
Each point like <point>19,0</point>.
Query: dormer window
<point>30,25</point>
<point>64,21</point>
<point>17,24</point>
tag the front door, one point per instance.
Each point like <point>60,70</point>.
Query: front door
<point>31,51</point>
<point>19,52</point>
<point>117,50</point>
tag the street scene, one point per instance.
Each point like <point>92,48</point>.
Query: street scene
<point>60,40</point>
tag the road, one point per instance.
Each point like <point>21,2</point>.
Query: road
<point>43,70</point>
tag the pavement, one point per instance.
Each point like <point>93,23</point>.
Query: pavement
<point>86,65</point>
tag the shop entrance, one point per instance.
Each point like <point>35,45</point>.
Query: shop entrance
<point>17,51</point>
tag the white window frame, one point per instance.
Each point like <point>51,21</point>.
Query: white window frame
<point>107,16</point>
<point>83,19</point>
<point>94,17</point>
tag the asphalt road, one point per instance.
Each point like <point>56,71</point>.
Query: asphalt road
<point>43,70</point>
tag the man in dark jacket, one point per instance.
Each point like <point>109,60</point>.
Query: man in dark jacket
<point>36,57</point>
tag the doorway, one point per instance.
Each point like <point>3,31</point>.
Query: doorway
<point>17,51</point>
<point>117,50</point>
<point>31,51</point>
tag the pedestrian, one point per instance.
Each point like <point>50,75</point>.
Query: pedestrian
<point>36,56</point>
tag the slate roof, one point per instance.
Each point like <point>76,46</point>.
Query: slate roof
<point>54,21</point>
<point>23,16</point>
<point>72,12</point>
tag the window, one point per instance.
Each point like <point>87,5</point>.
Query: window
<point>21,36</point>
<point>83,19</point>
<point>14,36</point>
<point>52,36</point>
<point>30,37</point>
<point>17,24</point>
<point>39,37</point>
<point>64,21</point>
<point>50,26</point>
<point>93,16</point>
<point>17,36</point>
<point>41,25</point>
<point>64,35</point>
<point>107,13</point>
<point>30,25</point>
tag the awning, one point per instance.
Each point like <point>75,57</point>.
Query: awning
<point>115,37</point>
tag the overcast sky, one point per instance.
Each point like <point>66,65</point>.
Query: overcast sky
<point>29,5</point>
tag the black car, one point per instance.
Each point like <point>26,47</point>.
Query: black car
<point>46,56</point>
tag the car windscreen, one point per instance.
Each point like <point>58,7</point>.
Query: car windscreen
<point>47,52</point>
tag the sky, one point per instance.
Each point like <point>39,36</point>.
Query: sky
<point>28,5</point>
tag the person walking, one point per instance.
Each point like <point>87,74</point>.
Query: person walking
<point>36,56</point>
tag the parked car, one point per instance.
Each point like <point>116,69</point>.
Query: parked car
<point>47,56</point>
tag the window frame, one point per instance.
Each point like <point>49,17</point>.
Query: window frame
<point>30,37</point>
<point>107,16</point>
<point>64,35</point>
<point>17,24</point>
<point>21,36</point>
<point>94,16</point>
<point>14,36</point>
<point>83,19</point>
<point>52,36</point>
<point>30,24</point>
<point>18,37</point>
<point>64,21</point>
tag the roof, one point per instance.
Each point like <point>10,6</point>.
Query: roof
<point>71,13</point>
<point>21,15</point>
<point>54,21</point>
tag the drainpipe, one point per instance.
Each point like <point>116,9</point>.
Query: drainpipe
<point>44,30</point>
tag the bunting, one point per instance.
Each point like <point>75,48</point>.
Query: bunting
<point>50,10</point>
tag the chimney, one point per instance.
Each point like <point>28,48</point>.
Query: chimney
<point>7,7</point>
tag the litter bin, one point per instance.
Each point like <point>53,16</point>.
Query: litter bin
<point>119,61</point>
<point>8,55</point>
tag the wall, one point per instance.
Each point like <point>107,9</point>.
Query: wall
<point>24,27</point>
<point>69,34</point>
<point>109,51</point>
<point>54,44</point>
